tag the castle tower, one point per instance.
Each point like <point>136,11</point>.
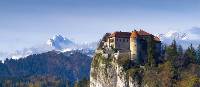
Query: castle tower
<point>133,44</point>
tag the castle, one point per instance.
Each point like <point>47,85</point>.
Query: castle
<point>135,43</point>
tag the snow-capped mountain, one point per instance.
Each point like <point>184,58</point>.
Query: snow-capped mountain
<point>63,44</point>
<point>29,51</point>
<point>182,38</point>
<point>58,43</point>
<point>173,35</point>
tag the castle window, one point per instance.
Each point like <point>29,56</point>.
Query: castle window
<point>119,40</point>
<point>127,40</point>
<point>123,40</point>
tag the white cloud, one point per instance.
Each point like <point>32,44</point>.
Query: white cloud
<point>193,33</point>
<point>195,30</point>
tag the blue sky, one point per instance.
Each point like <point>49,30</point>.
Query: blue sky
<point>25,23</point>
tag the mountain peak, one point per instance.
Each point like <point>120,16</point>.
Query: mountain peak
<point>58,37</point>
<point>59,42</point>
<point>173,35</point>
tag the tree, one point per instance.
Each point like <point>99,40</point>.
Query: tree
<point>171,51</point>
<point>198,55</point>
<point>191,54</point>
<point>174,45</point>
<point>82,83</point>
<point>180,50</point>
<point>172,57</point>
<point>76,84</point>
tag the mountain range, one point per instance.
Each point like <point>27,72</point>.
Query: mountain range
<point>56,43</point>
<point>182,38</point>
<point>63,44</point>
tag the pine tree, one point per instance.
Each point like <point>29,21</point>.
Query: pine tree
<point>180,50</point>
<point>174,45</point>
<point>191,53</point>
<point>172,54</point>
<point>198,55</point>
<point>171,51</point>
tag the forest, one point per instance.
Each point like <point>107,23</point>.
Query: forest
<point>53,69</point>
<point>177,67</point>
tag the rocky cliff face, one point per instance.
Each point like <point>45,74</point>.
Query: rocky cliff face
<point>113,70</point>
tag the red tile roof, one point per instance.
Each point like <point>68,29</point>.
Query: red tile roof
<point>143,33</point>
<point>121,34</point>
<point>133,34</point>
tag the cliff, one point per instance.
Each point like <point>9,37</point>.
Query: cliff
<point>113,70</point>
